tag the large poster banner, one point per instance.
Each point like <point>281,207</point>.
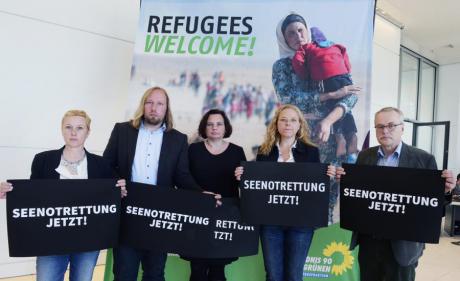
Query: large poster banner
<point>52,217</point>
<point>231,55</point>
<point>185,222</point>
<point>291,194</point>
<point>393,203</point>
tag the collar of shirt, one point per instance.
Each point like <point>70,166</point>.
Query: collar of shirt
<point>294,145</point>
<point>291,156</point>
<point>392,160</point>
<point>161,129</point>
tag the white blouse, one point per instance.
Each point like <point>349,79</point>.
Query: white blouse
<point>291,156</point>
<point>82,170</point>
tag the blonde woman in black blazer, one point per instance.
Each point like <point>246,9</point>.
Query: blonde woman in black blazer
<point>285,248</point>
<point>72,161</point>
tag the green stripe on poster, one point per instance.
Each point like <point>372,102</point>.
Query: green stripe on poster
<point>328,259</point>
<point>244,269</point>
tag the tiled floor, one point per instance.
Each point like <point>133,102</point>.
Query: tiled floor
<point>438,263</point>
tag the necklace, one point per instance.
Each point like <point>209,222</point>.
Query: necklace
<point>72,166</point>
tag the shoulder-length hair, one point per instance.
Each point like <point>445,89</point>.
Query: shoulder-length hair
<point>204,121</point>
<point>139,114</point>
<point>272,135</point>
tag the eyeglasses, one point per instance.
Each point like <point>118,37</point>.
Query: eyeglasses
<point>390,127</point>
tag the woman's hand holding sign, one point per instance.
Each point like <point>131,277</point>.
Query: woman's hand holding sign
<point>239,172</point>
<point>121,183</point>
<point>4,188</point>
<point>331,171</point>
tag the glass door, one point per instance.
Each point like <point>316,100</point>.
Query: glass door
<point>432,137</point>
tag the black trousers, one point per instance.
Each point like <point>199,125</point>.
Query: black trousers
<point>204,271</point>
<point>377,261</point>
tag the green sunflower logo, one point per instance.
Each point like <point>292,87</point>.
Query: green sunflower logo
<point>347,258</point>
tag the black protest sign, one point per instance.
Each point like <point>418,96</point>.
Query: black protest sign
<point>184,222</point>
<point>291,194</point>
<point>52,217</point>
<point>229,232</point>
<point>393,203</point>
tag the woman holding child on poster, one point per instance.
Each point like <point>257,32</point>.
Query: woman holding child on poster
<point>326,104</point>
<point>323,106</point>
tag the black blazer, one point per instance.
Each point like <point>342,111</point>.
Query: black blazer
<point>405,252</point>
<point>302,153</point>
<point>173,169</point>
<point>45,163</point>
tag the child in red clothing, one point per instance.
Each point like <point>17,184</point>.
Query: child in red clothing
<point>328,64</point>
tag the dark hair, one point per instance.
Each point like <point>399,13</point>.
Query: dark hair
<point>290,19</point>
<point>458,176</point>
<point>204,121</point>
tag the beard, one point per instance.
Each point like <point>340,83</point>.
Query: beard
<point>155,121</point>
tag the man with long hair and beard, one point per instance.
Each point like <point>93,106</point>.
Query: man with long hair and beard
<point>148,150</point>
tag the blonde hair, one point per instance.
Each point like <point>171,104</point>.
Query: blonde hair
<point>79,113</point>
<point>391,109</point>
<point>139,114</point>
<point>273,136</point>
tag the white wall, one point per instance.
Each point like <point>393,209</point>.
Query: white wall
<point>57,55</point>
<point>448,105</point>
<point>385,68</point>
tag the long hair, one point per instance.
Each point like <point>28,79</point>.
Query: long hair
<point>139,114</point>
<point>272,135</point>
